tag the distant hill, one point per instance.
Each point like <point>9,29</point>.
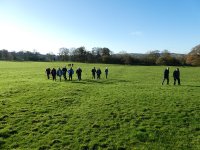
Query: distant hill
<point>140,55</point>
<point>177,55</point>
<point>195,50</point>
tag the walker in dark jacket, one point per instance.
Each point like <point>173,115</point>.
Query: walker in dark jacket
<point>53,73</point>
<point>64,70</point>
<point>78,72</point>
<point>106,72</point>
<point>166,76</point>
<point>48,72</point>
<point>93,73</point>
<point>98,73</point>
<point>176,75</point>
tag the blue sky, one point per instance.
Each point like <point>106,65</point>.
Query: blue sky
<point>135,26</point>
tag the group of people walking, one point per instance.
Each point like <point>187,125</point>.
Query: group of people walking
<point>176,76</point>
<point>98,72</point>
<point>63,72</point>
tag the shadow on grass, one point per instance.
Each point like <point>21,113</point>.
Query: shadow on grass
<point>197,86</point>
<point>100,81</point>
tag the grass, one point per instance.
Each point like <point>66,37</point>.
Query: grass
<point>129,110</point>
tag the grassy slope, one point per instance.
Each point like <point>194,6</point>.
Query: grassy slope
<point>129,110</point>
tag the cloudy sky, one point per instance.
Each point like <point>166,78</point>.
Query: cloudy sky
<point>135,26</point>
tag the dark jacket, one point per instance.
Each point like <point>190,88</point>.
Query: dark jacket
<point>166,73</point>
<point>48,70</point>
<point>176,74</point>
<point>53,72</point>
<point>98,71</point>
<point>64,70</point>
<point>78,71</point>
<point>106,71</point>
<point>93,71</point>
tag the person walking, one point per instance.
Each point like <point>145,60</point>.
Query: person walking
<point>70,72</point>
<point>93,73</point>
<point>176,75</point>
<point>59,73</point>
<point>98,73</point>
<point>48,72</point>
<point>166,76</point>
<point>53,73</point>
<point>106,72</point>
<point>64,70</point>
<point>78,72</point>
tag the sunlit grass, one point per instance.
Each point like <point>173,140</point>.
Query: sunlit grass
<point>129,110</point>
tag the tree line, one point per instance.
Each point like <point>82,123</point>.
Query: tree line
<point>105,55</point>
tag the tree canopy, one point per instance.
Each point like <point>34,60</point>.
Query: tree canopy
<point>193,58</point>
<point>105,55</point>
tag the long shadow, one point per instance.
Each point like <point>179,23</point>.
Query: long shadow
<point>198,86</point>
<point>99,81</point>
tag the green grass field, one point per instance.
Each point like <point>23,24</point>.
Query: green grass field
<point>129,110</point>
